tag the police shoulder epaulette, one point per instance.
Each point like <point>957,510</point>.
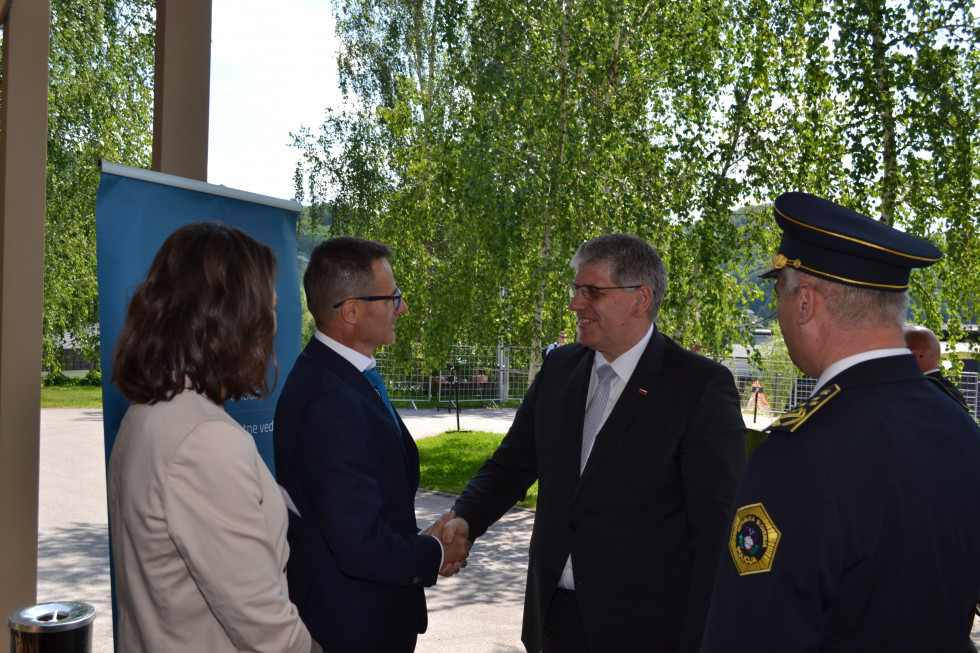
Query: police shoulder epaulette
<point>794,418</point>
<point>949,393</point>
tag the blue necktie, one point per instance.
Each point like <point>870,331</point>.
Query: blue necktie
<point>374,378</point>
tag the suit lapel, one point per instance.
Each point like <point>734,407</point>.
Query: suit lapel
<point>576,396</point>
<point>641,389</point>
<point>409,450</point>
<point>359,383</point>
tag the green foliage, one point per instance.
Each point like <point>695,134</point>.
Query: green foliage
<point>100,104</point>
<point>484,141</point>
<point>898,97</point>
<point>450,460</point>
<point>92,378</point>
<point>312,227</point>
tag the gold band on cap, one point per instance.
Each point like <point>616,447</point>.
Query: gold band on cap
<point>863,284</point>
<point>859,242</point>
<point>779,261</point>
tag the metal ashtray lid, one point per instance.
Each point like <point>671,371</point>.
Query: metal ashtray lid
<point>51,617</point>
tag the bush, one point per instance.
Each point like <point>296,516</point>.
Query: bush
<point>59,379</point>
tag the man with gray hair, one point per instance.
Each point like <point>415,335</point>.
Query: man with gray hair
<point>637,445</point>
<point>856,525</point>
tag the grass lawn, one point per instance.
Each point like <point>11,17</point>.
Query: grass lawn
<point>77,396</point>
<point>449,460</point>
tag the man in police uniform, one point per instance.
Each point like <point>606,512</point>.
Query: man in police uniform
<point>925,347</point>
<point>857,521</point>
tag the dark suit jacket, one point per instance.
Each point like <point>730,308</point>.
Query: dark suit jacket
<point>357,565</point>
<point>646,521</point>
<point>874,488</point>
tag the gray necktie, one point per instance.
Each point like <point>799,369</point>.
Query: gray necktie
<point>593,414</point>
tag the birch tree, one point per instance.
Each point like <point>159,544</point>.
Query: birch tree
<point>487,140</point>
<point>100,105</point>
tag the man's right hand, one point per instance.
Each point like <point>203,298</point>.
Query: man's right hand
<point>455,544</point>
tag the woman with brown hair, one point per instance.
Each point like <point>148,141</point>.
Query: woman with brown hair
<point>198,523</point>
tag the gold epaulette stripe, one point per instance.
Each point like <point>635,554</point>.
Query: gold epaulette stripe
<point>949,394</point>
<point>858,240</point>
<point>801,413</point>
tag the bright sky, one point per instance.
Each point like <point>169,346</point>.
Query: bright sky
<point>273,71</point>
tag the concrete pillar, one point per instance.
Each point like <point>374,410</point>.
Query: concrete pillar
<point>182,88</point>
<point>23,155</point>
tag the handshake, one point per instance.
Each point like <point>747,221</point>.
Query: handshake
<point>453,532</point>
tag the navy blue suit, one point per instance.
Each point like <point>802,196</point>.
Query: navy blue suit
<point>645,522</point>
<point>871,497</point>
<point>357,565</point>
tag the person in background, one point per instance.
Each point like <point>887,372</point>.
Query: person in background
<point>561,341</point>
<point>348,463</point>
<point>925,346</point>
<point>198,523</point>
<point>638,445</point>
<point>856,525</point>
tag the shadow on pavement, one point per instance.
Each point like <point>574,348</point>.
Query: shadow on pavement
<point>75,559</point>
<point>479,609</point>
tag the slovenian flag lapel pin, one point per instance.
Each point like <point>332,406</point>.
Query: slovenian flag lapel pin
<point>643,393</point>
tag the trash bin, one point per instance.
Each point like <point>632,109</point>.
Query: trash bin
<point>52,628</point>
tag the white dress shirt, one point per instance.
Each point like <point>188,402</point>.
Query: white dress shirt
<point>624,366</point>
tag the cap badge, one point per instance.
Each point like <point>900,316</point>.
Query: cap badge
<point>779,261</point>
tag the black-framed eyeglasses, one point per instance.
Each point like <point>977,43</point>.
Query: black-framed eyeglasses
<point>594,292</point>
<point>396,298</point>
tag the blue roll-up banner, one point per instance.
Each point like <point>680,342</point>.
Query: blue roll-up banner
<point>135,212</point>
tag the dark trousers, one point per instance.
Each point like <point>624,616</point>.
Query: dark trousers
<point>563,631</point>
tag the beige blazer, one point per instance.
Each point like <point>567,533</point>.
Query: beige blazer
<point>198,530</point>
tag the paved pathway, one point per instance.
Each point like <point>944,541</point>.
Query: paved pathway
<point>478,610</point>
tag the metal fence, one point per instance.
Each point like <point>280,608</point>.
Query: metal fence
<point>474,375</point>
<point>471,375</point>
<point>490,377</point>
<point>776,387</point>
<point>493,376</point>
<point>71,359</point>
<point>406,381</point>
<point>968,386</point>
<point>772,389</point>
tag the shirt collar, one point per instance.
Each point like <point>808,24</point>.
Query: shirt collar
<point>355,358</point>
<point>627,362</point>
<point>836,368</point>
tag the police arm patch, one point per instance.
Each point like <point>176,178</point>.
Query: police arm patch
<point>753,540</point>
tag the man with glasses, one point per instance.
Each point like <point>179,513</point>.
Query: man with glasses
<point>349,467</point>
<point>637,445</point>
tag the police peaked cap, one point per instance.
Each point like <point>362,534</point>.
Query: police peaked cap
<point>835,243</point>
